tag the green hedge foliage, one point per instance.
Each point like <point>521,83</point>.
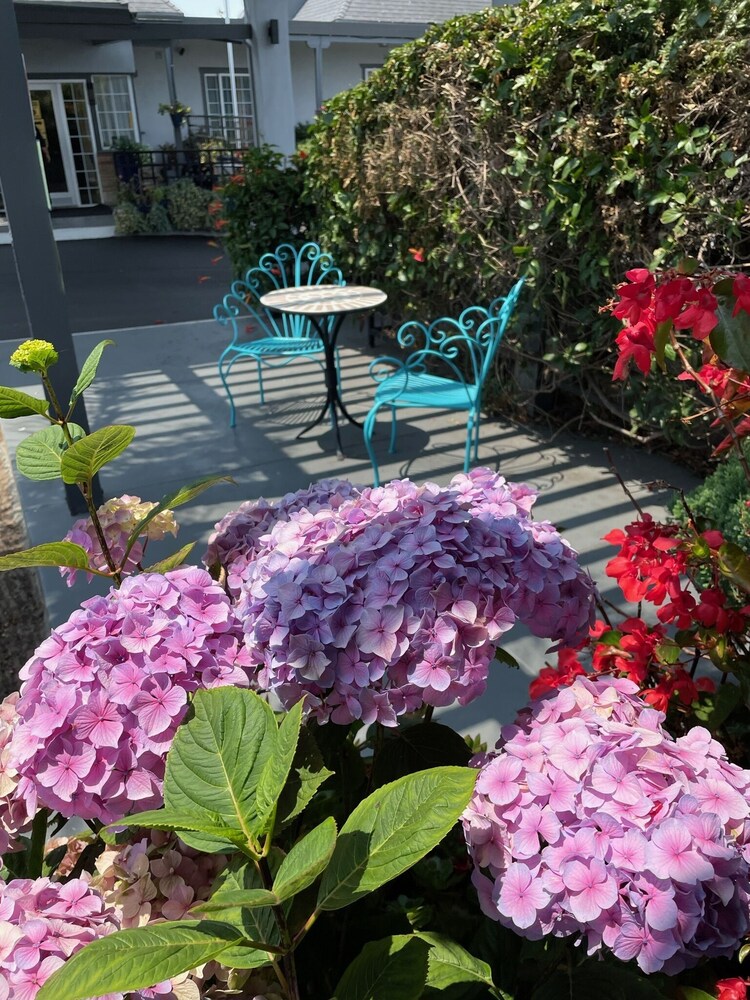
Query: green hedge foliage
<point>564,140</point>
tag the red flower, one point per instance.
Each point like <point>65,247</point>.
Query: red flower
<point>741,292</point>
<point>635,295</point>
<point>731,989</point>
<point>418,254</point>
<point>670,298</point>
<point>715,378</point>
<point>550,679</point>
<point>636,342</point>
<point>700,316</point>
<point>650,561</point>
<point>301,154</point>
<point>634,653</point>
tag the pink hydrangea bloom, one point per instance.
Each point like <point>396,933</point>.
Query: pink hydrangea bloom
<point>380,601</point>
<point>592,820</point>
<point>118,518</point>
<point>103,696</point>
<point>43,923</point>
<point>14,816</point>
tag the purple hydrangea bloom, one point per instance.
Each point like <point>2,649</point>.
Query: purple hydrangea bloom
<point>592,820</point>
<point>375,602</point>
<point>103,696</point>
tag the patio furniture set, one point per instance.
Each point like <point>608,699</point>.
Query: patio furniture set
<point>298,300</point>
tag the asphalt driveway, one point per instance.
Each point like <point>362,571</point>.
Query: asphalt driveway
<point>125,282</point>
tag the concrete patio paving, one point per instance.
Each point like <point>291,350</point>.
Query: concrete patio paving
<point>164,381</point>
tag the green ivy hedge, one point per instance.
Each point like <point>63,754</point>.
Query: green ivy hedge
<point>564,140</point>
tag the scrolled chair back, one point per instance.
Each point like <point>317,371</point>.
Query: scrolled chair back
<point>285,267</point>
<point>465,345</point>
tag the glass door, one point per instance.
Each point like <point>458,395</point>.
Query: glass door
<point>49,119</point>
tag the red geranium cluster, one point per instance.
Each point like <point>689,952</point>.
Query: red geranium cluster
<point>659,564</point>
<point>657,306</point>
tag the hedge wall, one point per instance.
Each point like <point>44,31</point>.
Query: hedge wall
<point>563,140</point>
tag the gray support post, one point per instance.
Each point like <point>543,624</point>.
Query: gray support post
<point>34,248</point>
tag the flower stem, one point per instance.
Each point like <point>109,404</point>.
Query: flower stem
<point>287,960</point>
<point>35,858</point>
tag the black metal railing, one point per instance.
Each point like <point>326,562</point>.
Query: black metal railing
<point>236,131</point>
<point>146,169</point>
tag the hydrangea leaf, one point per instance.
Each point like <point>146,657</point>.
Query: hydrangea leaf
<point>175,499</point>
<point>48,554</point>
<point>727,698</point>
<point>182,823</point>
<point>217,759</point>
<point>171,562</point>
<point>255,924</point>
<point>307,775</point>
<point>393,967</point>
<point>392,829</point>
<point>449,964</point>
<point>88,370</point>
<point>241,899</point>
<point>14,403</point>
<point>138,958</point>
<point>39,457</point>
<point>306,860</point>
<point>279,764</point>
<point>86,457</point>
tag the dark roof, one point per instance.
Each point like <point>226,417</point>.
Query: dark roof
<point>139,8</point>
<point>387,11</point>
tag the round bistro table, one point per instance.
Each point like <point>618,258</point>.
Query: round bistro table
<point>321,304</point>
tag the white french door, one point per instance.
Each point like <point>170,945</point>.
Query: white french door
<point>62,118</point>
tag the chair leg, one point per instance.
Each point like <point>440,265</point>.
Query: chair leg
<point>260,382</point>
<point>469,441</point>
<point>368,429</point>
<point>223,376</point>
<point>394,429</point>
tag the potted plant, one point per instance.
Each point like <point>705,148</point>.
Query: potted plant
<point>177,112</point>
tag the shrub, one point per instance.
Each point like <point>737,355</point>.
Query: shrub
<point>722,499</point>
<point>262,206</point>
<point>559,140</point>
<point>129,220</point>
<point>187,205</point>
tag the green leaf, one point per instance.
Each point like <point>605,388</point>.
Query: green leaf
<point>692,993</point>
<point>88,370</point>
<point>48,554</point>
<point>392,829</point>
<point>255,924</point>
<point>139,958</point>
<point>735,564</point>
<point>182,823</point>
<point>14,403</point>
<point>449,963</point>
<point>503,656</point>
<point>216,761</point>
<point>307,775</point>
<point>728,697</point>
<point>384,970</point>
<point>241,899</point>
<point>171,562</point>
<point>731,338</point>
<point>39,457</point>
<point>671,215</point>
<point>175,499</point>
<point>415,748</point>
<point>86,457</point>
<point>279,764</point>
<point>306,860</point>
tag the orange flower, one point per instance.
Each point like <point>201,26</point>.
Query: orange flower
<point>418,254</point>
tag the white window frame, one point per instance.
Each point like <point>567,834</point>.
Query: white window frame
<point>133,107</point>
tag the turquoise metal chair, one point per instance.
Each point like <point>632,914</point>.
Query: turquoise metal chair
<point>283,337</point>
<point>462,349</point>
